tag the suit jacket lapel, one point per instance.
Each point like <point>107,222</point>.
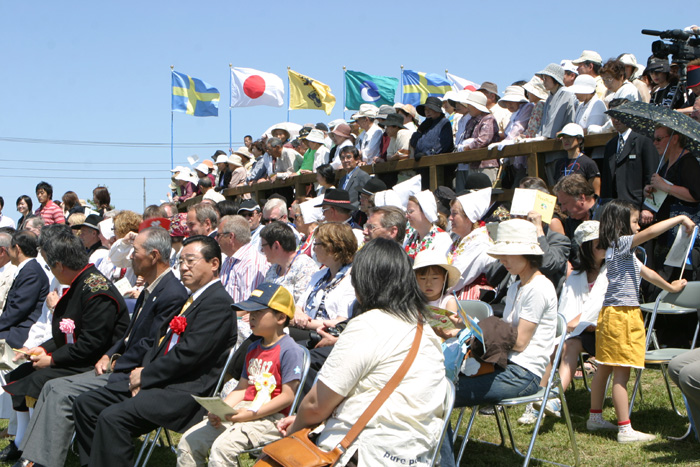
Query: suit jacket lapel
<point>168,332</point>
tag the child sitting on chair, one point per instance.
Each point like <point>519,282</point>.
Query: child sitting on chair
<point>264,393</point>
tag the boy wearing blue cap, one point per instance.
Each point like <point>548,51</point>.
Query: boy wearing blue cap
<point>264,393</point>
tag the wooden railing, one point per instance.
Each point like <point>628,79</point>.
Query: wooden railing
<point>441,167</point>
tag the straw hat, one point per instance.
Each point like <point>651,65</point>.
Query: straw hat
<point>516,237</point>
<point>235,159</point>
<point>366,110</point>
<point>427,258</point>
<point>243,152</point>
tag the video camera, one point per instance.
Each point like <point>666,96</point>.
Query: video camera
<point>682,47</point>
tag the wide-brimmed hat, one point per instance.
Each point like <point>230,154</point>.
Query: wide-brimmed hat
<point>316,136</point>
<point>569,66</point>
<point>536,87</point>
<point>459,97</point>
<point>202,168</point>
<point>372,186</point>
<point>186,175</point>
<point>334,123</point>
<point>475,204</point>
<point>583,84</point>
<point>249,205</point>
<point>394,120</point>
<point>243,152</point>
<point>208,163</point>
<point>432,103</point>
<point>449,96</point>
<point>336,198</point>
<point>427,258</point>
<point>588,56</point>
<point>235,159</point>
<point>268,295</point>
<point>428,204</point>
<point>587,231</point>
<point>571,129</point>
<point>516,237</point>
<point>177,169</point>
<point>629,60</point>
<point>366,110</point>
<point>408,108</point>
<point>488,86</point>
<point>385,111</point>
<point>155,222</point>
<point>513,94</point>
<point>478,101</point>
<point>280,128</point>
<point>222,159</point>
<point>90,221</point>
<point>343,129</point>
<point>555,71</point>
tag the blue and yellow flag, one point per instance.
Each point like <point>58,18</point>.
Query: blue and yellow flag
<point>194,97</point>
<point>362,88</point>
<point>418,86</point>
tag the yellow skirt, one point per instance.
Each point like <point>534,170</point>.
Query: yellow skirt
<point>619,337</point>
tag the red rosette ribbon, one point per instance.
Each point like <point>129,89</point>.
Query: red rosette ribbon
<point>177,325</point>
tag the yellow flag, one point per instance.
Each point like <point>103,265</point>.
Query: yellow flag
<point>307,93</point>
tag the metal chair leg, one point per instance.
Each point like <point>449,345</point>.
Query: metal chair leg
<point>664,372</point>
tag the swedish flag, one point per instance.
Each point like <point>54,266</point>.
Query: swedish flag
<point>418,86</point>
<point>194,97</point>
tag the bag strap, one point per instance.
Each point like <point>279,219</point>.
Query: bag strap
<point>385,392</point>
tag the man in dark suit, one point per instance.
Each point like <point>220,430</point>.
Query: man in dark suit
<point>48,434</point>
<point>27,293</point>
<point>87,321</point>
<point>187,359</point>
<point>355,178</point>
<point>629,162</point>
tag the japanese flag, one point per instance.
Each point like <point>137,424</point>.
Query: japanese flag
<point>459,84</point>
<point>251,87</point>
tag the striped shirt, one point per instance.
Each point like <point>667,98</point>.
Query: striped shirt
<point>242,272</point>
<point>624,274</point>
<point>51,213</point>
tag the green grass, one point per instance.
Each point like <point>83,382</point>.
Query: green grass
<point>652,414</point>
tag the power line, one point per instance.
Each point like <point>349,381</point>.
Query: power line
<point>85,178</point>
<point>83,170</point>
<point>122,144</point>
<point>24,161</point>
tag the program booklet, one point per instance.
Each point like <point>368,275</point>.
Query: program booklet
<point>439,318</point>
<point>681,247</point>
<point>526,200</point>
<point>216,405</point>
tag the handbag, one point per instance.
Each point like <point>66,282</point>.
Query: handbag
<point>299,450</point>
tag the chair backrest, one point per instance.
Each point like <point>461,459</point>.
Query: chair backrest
<point>561,337</point>
<point>306,364</point>
<point>222,377</point>
<point>476,309</point>
<point>689,297</point>
<point>447,406</point>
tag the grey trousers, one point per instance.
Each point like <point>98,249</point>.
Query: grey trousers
<point>51,427</point>
<point>684,370</point>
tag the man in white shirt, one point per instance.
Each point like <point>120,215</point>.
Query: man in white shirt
<point>590,63</point>
<point>4,220</point>
<point>370,141</point>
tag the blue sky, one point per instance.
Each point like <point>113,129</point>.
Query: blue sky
<point>100,71</point>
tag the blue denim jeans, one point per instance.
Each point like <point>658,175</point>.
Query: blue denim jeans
<point>514,381</point>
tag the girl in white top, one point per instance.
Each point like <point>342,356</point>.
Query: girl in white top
<point>435,277</point>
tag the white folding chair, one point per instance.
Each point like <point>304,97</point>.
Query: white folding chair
<point>542,395</point>
<point>686,301</point>
<point>433,455</point>
<point>151,443</point>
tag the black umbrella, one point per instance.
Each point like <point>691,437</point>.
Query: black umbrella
<point>643,118</point>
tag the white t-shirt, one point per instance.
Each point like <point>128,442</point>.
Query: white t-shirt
<point>535,302</point>
<point>366,356</point>
<point>338,301</point>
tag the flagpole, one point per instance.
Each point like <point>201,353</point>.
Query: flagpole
<point>172,164</point>
<point>289,97</point>
<point>230,84</point>
<point>401,83</point>
<point>345,101</point>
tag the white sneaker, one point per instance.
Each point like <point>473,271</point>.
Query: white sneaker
<point>552,407</point>
<point>594,425</point>
<point>529,416</point>
<point>633,436</point>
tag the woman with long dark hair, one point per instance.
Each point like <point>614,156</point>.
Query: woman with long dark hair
<point>366,356</point>
<point>24,207</point>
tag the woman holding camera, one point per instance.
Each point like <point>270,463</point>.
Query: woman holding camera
<point>329,297</point>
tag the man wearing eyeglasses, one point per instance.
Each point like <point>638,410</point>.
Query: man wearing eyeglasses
<point>187,359</point>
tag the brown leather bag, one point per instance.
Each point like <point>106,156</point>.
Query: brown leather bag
<point>298,450</point>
